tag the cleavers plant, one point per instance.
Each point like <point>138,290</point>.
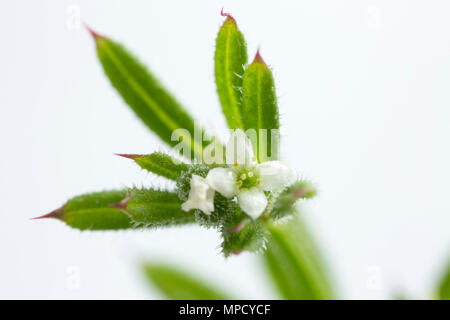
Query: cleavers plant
<point>241,198</point>
<point>248,100</point>
<point>250,198</point>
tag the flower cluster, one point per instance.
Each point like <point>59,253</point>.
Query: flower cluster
<point>242,178</point>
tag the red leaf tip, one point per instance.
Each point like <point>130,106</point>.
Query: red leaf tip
<point>258,57</point>
<point>93,33</point>
<point>129,155</point>
<point>228,15</point>
<point>55,214</point>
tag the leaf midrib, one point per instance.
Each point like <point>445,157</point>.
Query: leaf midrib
<point>153,204</point>
<point>233,103</point>
<point>258,97</point>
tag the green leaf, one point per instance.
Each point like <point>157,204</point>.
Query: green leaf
<point>294,264</point>
<point>444,285</point>
<point>123,209</point>
<point>157,208</point>
<point>285,203</point>
<point>151,102</point>
<point>260,108</point>
<point>179,285</point>
<point>160,164</point>
<point>230,59</point>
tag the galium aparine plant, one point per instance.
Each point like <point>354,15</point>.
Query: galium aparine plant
<point>239,187</point>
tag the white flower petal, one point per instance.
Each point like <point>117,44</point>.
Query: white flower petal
<point>201,196</point>
<point>239,149</point>
<point>274,175</point>
<point>223,181</point>
<point>252,202</point>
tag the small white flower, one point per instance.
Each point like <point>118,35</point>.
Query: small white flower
<point>201,196</point>
<point>246,179</point>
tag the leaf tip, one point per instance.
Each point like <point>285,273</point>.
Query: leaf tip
<point>228,15</point>
<point>55,214</point>
<point>128,155</point>
<point>93,33</point>
<point>258,57</point>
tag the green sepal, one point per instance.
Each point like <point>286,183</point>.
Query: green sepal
<point>284,204</point>
<point>156,208</point>
<point>159,163</point>
<point>175,284</point>
<point>224,210</point>
<point>260,109</point>
<point>294,264</point>
<point>247,235</point>
<point>230,59</point>
<point>151,102</point>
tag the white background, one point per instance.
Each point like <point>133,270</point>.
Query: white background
<point>364,91</point>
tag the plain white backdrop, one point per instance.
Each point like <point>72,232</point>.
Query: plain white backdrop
<point>364,95</point>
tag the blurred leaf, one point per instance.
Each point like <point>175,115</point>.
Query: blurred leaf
<point>400,295</point>
<point>444,286</point>
<point>284,204</point>
<point>230,59</point>
<point>151,102</point>
<point>179,285</point>
<point>260,108</point>
<point>294,264</point>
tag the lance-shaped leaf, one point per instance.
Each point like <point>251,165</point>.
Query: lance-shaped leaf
<point>230,58</point>
<point>122,209</point>
<point>260,108</point>
<point>151,102</point>
<point>444,285</point>
<point>159,163</point>
<point>285,203</point>
<point>179,285</point>
<point>294,263</point>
